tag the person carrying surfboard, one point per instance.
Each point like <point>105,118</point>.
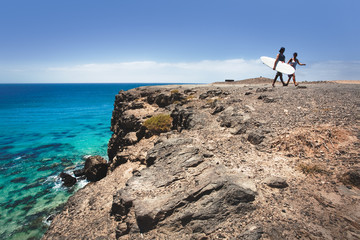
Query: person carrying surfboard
<point>279,57</point>
<point>293,62</point>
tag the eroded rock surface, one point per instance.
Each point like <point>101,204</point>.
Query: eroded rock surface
<point>166,195</point>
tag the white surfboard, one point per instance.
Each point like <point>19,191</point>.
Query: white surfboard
<point>280,66</point>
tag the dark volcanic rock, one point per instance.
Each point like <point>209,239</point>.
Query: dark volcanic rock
<point>95,168</point>
<point>213,93</point>
<point>79,173</point>
<point>184,118</point>
<point>352,177</point>
<point>203,96</point>
<point>136,105</point>
<point>261,89</point>
<point>238,130</point>
<point>68,180</point>
<point>218,109</point>
<point>204,199</point>
<point>266,99</point>
<point>163,100</point>
<point>50,218</point>
<point>255,138</point>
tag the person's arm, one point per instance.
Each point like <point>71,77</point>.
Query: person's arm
<point>289,61</point>
<point>276,61</point>
<point>301,64</point>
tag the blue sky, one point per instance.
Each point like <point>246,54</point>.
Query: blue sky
<point>175,41</point>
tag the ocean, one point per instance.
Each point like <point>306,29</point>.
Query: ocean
<point>46,129</point>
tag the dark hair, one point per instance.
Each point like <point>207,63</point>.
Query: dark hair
<point>295,53</point>
<point>282,49</point>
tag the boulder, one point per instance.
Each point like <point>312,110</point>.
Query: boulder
<point>68,180</point>
<point>352,177</point>
<point>261,89</point>
<point>212,93</point>
<point>189,91</point>
<point>79,172</point>
<point>162,100</point>
<point>276,182</point>
<point>183,118</point>
<point>255,138</point>
<point>266,99</point>
<point>241,129</point>
<point>217,110</point>
<point>203,96</point>
<point>95,168</point>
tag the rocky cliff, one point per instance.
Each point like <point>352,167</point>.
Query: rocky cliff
<point>237,161</point>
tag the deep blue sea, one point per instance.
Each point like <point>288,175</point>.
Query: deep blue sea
<point>46,129</point>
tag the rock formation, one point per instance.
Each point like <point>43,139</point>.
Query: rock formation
<point>239,162</point>
<point>68,180</point>
<point>95,168</point>
<point>176,200</point>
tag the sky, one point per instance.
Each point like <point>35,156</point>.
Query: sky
<point>187,41</point>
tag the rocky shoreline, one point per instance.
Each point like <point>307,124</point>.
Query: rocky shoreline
<point>238,161</point>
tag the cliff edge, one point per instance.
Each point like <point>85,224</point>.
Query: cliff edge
<point>230,161</point>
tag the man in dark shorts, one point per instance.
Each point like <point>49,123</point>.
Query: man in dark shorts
<point>279,57</point>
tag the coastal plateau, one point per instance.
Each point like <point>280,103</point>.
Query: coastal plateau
<point>237,160</point>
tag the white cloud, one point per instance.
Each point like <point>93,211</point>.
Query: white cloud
<point>150,71</point>
<point>206,71</point>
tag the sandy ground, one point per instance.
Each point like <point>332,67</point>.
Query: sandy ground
<point>347,81</point>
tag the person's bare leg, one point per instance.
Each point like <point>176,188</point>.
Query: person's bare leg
<point>273,84</point>
<point>282,80</point>
<point>294,80</point>
<point>287,83</point>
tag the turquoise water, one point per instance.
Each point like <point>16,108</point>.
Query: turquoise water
<point>46,129</point>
